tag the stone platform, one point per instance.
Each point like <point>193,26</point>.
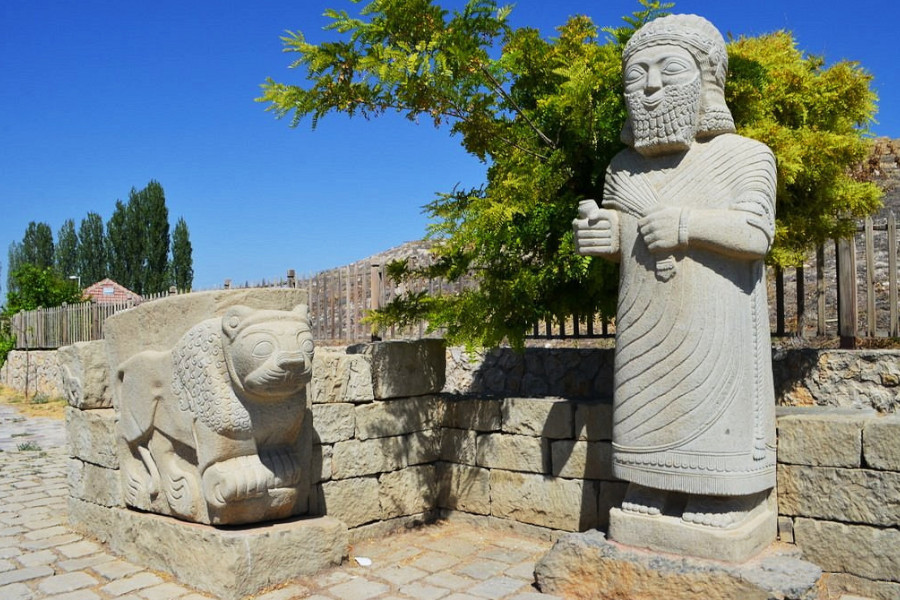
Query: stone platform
<point>231,563</point>
<point>586,566</point>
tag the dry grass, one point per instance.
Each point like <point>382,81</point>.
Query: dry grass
<point>37,405</point>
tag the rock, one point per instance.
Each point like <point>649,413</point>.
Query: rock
<point>405,368</point>
<point>333,422</point>
<point>585,566</point>
<point>84,371</point>
<point>464,488</point>
<point>861,550</point>
<point>821,437</point>
<point>407,492</point>
<point>354,501</point>
<point>881,443</point>
<point>542,417</point>
<point>92,436</point>
<point>852,495</point>
<point>513,452</point>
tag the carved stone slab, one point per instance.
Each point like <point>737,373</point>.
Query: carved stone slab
<point>211,423</point>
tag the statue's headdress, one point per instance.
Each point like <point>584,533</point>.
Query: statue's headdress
<point>703,41</point>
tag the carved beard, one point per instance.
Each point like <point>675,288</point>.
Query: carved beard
<point>671,126</point>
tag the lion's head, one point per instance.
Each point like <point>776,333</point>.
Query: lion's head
<point>259,355</point>
<point>269,352</point>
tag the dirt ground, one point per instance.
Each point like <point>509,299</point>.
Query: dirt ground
<point>38,405</point>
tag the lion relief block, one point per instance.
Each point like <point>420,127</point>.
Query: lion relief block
<point>211,430</point>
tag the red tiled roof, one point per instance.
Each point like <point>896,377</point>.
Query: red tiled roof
<point>108,291</point>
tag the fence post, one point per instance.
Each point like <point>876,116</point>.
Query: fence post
<point>801,300</point>
<point>291,278</point>
<point>845,255</point>
<point>870,279</point>
<point>779,300</point>
<point>820,290</point>
<point>892,272</point>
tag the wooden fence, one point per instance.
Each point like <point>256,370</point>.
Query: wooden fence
<point>814,300</point>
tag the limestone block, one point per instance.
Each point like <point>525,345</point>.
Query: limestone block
<point>341,377</point>
<point>92,483</point>
<point>611,495</point>
<point>861,550</point>
<point>407,492</point>
<point>353,501</point>
<point>593,421</point>
<point>881,443</point>
<point>84,370</point>
<point>403,368</point>
<point>232,563</point>
<point>566,504</point>
<point>585,566</point>
<point>839,585</point>
<point>458,446</point>
<point>212,412</point>
<point>396,417</point>
<point>472,414</point>
<point>321,462</point>
<point>542,417</point>
<point>355,458</point>
<point>464,488</point>
<point>92,436</point>
<point>34,372</point>
<point>821,436</point>
<point>422,447</point>
<point>333,422</point>
<point>581,460</point>
<point>850,495</point>
<point>513,452</point>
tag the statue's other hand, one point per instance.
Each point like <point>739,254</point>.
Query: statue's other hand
<point>596,230</point>
<point>660,229</point>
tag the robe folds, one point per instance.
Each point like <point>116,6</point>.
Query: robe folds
<point>694,407</point>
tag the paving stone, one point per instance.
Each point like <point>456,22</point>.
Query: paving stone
<point>116,569</point>
<point>451,581</point>
<point>422,591</point>
<point>16,591</point>
<point>497,587</point>
<point>358,589</point>
<point>5,565</point>
<point>286,593</point>
<point>400,575</point>
<point>130,584</point>
<point>80,549</point>
<point>25,574</point>
<point>52,542</point>
<point>435,561</point>
<point>483,569</point>
<point>79,564</point>
<point>76,595</point>
<point>67,582</point>
<point>164,591</point>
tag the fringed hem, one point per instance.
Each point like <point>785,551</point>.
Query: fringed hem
<point>698,482</point>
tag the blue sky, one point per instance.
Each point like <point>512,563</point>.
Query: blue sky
<point>99,96</point>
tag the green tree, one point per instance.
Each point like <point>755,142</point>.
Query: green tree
<point>37,245</point>
<point>92,256</point>
<point>813,117</point>
<point>14,256</point>
<point>66,253</point>
<point>119,266</point>
<point>182,257</point>
<point>39,287</point>
<point>154,225</point>
<point>545,116</point>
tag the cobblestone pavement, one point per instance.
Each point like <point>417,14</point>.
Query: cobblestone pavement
<point>41,558</point>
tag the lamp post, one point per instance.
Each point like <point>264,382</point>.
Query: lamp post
<point>76,278</point>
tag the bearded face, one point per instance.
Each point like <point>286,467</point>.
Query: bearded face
<point>662,94</point>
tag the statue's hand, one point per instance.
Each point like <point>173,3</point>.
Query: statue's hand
<point>596,230</point>
<point>660,230</point>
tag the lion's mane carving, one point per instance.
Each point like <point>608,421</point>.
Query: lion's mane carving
<point>210,430</point>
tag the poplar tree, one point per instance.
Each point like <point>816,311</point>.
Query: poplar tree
<point>92,251</point>
<point>545,116</point>
<point>116,246</point>
<point>182,266</point>
<point>37,245</point>
<point>154,226</point>
<point>66,253</point>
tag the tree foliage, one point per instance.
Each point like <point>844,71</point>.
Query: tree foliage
<point>91,249</point>
<point>545,116</point>
<point>37,245</point>
<point>38,287</point>
<point>66,252</point>
<point>182,257</point>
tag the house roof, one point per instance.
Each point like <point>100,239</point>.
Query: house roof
<point>108,291</point>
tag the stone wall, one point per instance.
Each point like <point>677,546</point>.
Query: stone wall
<point>839,496</point>
<point>803,377</point>
<point>34,370</point>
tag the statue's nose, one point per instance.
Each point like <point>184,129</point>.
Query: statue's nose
<point>291,360</point>
<point>653,82</point>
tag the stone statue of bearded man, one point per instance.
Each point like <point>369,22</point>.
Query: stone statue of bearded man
<point>689,212</point>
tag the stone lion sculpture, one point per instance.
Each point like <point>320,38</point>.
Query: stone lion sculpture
<point>210,430</point>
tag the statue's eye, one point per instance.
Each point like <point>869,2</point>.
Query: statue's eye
<point>676,66</point>
<point>634,74</point>
<point>263,349</point>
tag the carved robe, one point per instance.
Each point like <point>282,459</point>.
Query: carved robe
<point>694,401</point>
